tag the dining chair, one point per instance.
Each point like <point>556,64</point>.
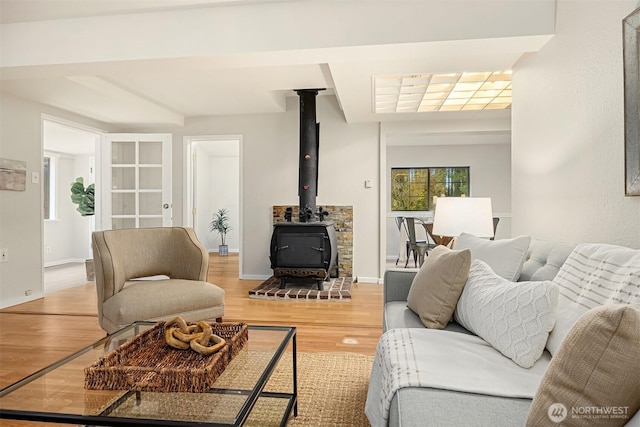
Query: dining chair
<point>496,220</point>
<point>438,240</point>
<point>417,248</point>
<point>400,225</point>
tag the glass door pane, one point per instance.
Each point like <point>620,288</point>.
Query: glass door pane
<point>139,181</point>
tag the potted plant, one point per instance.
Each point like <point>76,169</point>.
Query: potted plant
<point>84,197</point>
<point>220,223</point>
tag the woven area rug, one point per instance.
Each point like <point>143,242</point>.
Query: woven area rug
<point>338,289</point>
<point>332,390</point>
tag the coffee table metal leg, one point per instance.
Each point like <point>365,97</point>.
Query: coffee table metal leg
<point>295,377</point>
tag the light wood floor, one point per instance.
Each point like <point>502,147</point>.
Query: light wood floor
<point>38,333</point>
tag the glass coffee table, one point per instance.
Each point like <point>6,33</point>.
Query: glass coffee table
<point>258,387</point>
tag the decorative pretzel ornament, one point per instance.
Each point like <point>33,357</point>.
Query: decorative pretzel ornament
<point>199,337</point>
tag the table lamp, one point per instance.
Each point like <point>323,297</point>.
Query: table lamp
<point>457,215</point>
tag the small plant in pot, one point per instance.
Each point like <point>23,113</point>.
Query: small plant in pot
<point>84,197</point>
<point>221,224</point>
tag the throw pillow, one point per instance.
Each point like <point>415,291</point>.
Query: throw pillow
<point>437,286</point>
<point>514,318</point>
<point>594,275</point>
<point>595,369</point>
<point>504,256</point>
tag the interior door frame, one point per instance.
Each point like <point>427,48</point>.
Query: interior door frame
<point>96,220</point>
<point>189,187</point>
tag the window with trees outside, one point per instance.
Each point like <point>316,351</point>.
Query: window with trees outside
<point>413,189</point>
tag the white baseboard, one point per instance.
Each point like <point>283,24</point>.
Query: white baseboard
<point>15,301</point>
<point>254,277</point>
<point>376,280</point>
<point>64,261</point>
<point>360,279</point>
<point>53,288</point>
<point>231,250</point>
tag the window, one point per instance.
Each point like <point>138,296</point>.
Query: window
<point>413,189</point>
<point>49,187</point>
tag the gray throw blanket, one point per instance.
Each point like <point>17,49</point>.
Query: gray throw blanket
<point>444,360</point>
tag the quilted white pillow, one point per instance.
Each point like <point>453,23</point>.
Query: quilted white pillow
<point>514,318</point>
<point>504,256</point>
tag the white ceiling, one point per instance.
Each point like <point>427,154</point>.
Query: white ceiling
<point>132,63</point>
<point>60,138</point>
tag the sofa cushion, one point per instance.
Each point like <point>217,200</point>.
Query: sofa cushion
<point>504,256</point>
<point>595,367</point>
<point>398,315</point>
<point>437,359</point>
<point>515,318</point>
<point>544,259</point>
<point>594,275</point>
<point>422,406</point>
<point>437,286</point>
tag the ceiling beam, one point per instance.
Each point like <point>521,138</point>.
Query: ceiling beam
<point>132,101</point>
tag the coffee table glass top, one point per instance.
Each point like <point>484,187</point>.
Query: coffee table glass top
<point>57,393</point>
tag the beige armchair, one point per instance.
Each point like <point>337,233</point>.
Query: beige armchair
<point>126,262</point>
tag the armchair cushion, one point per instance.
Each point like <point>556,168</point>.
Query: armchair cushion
<point>169,296</point>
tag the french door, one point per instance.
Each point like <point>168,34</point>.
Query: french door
<point>136,181</point>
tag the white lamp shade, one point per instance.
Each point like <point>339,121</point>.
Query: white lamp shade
<point>457,215</point>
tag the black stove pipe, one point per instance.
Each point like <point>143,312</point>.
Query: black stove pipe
<point>308,161</point>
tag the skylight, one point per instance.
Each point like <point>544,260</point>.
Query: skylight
<point>417,93</point>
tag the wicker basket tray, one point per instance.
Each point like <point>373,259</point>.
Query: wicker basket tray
<point>147,363</point>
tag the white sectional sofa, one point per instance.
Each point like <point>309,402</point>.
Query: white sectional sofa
<point>456,378</point>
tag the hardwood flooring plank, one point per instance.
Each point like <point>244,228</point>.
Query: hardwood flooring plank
<point>38,333</point>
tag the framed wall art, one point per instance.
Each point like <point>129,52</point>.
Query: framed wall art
<point>631,36</point>
<point>13,175</point>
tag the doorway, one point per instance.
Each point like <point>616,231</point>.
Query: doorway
<point>214,181</point>
<point>69,152</point>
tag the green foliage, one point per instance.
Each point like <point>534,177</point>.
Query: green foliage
<point>412,189</point>
<point>83,197</point>
<point>220,223</point>
<point>409,189</point>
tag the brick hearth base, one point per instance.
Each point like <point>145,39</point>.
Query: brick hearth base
<point>338,289</point>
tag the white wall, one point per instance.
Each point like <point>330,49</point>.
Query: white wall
<point>21,228</point>
<point>490,174</point>
<point>68,236</point>
<point>349,155</point>
<point>567,156</point>
<point>20,211</point>
<point>568,131</point>
<point>218,185</point>
<point>224,177</point>
<point>204,204</point>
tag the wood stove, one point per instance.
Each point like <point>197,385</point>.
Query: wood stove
<point>306,249</point>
